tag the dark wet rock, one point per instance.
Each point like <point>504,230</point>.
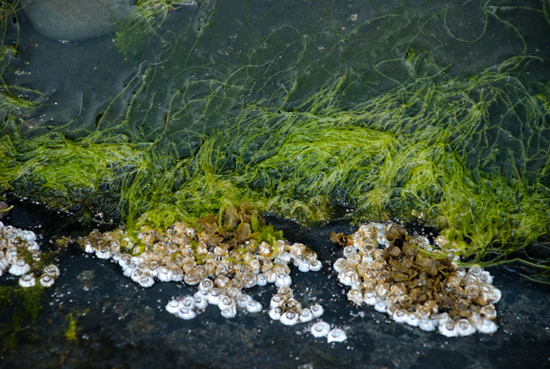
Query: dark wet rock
<point>119,324</point>
<point>76,19</point>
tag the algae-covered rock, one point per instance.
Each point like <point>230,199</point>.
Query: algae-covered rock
<point>76,19</point>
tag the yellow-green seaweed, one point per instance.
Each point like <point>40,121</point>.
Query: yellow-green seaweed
<point>468,154</point>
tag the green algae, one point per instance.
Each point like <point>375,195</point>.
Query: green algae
<point>137,29</point>
<point>308,162</point>
<point>23,305</point>
<point>70,334</point>
<point>467,155</point>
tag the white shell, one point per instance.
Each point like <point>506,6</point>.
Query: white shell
<point>370,297</point>
<point>317,310</point>
<point>27,280</point>
<point>401,316</point>
<point>254,307</point>
<point>283,280</point>
<point>426,324</point>
<point>261,281</point>
<point>172,306</point>
<point>146,281</point>
<point>448,329</point>
<point>214,296</point>
<point>229,312</point>
<point>315,266</point>
<point>336,335</point>
<point>20,267</point>
<point>464,328</point>
<point>201,302</point>
<point>275,314</point>
<point>289,318</point>
<point>320,329</point>
<point>306,315</point>
<point>484,325</point>
<point>186,314</point>
<point>381,306</point>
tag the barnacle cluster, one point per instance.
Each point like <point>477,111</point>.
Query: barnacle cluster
<point>394,272</point>
<point>322,329</point>
<point>285,308</point>
<point>233,251</point>
<point>20,255</point>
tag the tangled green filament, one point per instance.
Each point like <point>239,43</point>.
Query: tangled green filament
<point>468,156</point>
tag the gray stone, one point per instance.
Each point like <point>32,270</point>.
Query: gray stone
<point>76,19</point>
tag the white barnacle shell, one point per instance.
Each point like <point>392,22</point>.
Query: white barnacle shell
<point>381,306</point>
<point>146,281</point>
<point>401,316</point>
<point>186,314</point>
<point>136,275</point>
<point>494,295</point>
<point>320,329</point>
<point>448,328</point>
<point>317,310</point>
<point>412,319</point>
<point>20,267</point>
<point>229,312</point>
<point>261,281</point>
<point>275,313</point>
<point>188,302</point>
<point>289,318</point>
<point>214,296</point>
<point>226,302</point>
<point>349,277</point>
<point>464,328</point>
<point>27,280</point>
<point>249,279</point>
<point>283,279</point>
<point>47,280</point>
<point>173,306</point>
<point>370,297</point>
<point>484,325</point>
<point>52,270</point>
<point>488,311</point>
<point>355,296</point>
<point>104,253</point>
<point>270,276</point>
<point>253,307</point>
<point>427,324</point>
<point>177,274</point>
<point>336,335</point>
<point>201,302</point>
<point>315,265</point>
<point>89,248</point>
<point>286,292</point>
<point>164,274</point>
<point>243,300</point>
<point>303,266</point>
<point>485,277</point>
<point>306,315</point>
<point>277,300</point>
<point>340,265</point>
<point>349,251</point>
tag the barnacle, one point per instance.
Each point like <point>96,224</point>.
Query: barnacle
<point>20,255</point>
<point>336,335</point>
<point>320,329</point>
<point>234,251</point>
<point>415,283</point>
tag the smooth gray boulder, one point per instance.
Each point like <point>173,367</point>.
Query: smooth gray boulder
<point>76,19</point>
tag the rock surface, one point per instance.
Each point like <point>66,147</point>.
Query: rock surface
<point>76,19</point>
